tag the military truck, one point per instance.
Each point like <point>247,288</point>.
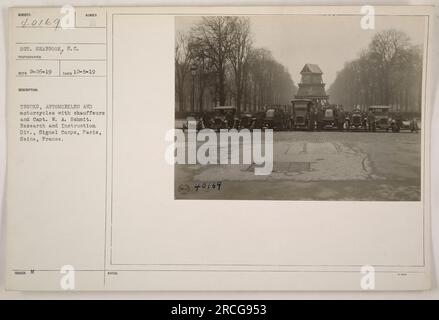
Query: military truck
<point>326,117</point>
<point>302,115</point>
<point>382,117</point>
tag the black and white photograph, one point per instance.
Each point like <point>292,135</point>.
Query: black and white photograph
<point>230,151</point>
<point>334,102</point>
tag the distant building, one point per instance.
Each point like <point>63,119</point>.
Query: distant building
<point>311,85</point>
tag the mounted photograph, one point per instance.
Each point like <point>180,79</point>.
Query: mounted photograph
<point>294,107</point>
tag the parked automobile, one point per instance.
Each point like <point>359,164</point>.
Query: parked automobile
<point>326,118</point>
<point>416,124</point>
<point>382,117</point>
<point>258,120</point>
<point>246,121</point>
<point>199,123</point>
<point>405,124</point>
<point>275,119</point>
<point>356,121</point>
<point>302,115</point>
<point>224,118</point>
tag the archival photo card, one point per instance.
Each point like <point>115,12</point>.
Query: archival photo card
<point>124,121</point>
<point>299,107</point>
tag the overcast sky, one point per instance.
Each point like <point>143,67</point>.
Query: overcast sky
<point>328,41</point>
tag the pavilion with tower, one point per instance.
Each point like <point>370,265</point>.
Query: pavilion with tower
<point>311,85</point>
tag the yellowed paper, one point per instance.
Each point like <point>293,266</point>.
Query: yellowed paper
<point>93,204</point>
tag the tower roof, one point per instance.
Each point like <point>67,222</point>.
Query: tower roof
<point>311,68</point>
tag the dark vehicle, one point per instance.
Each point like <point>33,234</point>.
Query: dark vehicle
<point>357,121</point>
<point>199,123</point>
<point>395,124</point>
<point>326,118</point>
<point>382,117</point>
<point>302,116</point>
<point>246,121</point>
<point>258,120</point>
<point>398,124</point>
<point>224,118</point>
<point>275,119</point>
<point>413,126</point>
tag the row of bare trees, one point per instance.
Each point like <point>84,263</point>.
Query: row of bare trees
<point>217,64</point>
<point>389,72</point>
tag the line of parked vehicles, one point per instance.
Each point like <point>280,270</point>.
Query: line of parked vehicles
<point>304,114</point>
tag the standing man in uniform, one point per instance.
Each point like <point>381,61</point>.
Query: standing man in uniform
<point>398,120</point>
<point>371,121</point>
<point>312,118</point>
<point>341,117</point>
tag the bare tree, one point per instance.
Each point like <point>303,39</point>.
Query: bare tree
<point>215,36</point>
<point>182,66</point>
<point>389,72</point>
<point>385,49</point>
<point>268,81</point>
<point>238,55</point>
<point>229,69</point>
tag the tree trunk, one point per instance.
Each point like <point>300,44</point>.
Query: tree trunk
<point>221,87</point>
